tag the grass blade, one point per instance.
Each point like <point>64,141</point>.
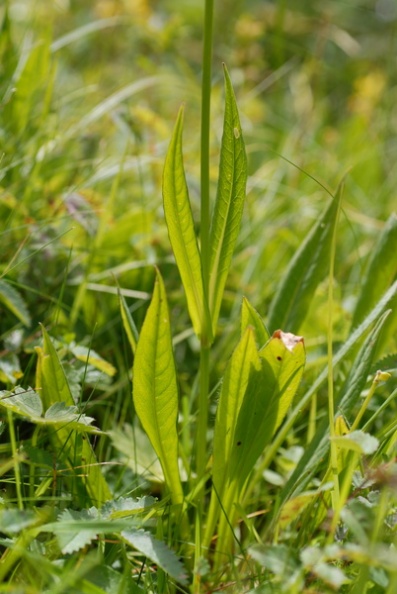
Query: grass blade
<point>307,268</point>
<point>229,201</point>
<point>179,218</point>
<point>250,317</point>
<point>155,390</point>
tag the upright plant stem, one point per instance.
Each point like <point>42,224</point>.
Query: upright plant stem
<point>201,456</point>
<point>206,338</point>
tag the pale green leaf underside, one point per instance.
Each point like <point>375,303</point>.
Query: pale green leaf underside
<point>155,390</point>
<point>229,203</point>
<point>179,219</point>
<point>307,268</point>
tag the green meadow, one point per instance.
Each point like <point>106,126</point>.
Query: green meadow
<point>198,297</point>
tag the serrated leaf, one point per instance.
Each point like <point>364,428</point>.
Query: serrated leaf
<point>91,357</point>
<point>126,506</point>
<point>307,268</point>
<point>23,402</point>
<point>75,539</point>
<point>155,389</point>
<point>60,413</point>
<point>279,559</point>
<point>179,219</point>
<point>13,301</point>
<point>228,210</point>
<point>157,552</point>
<point>250,317</point>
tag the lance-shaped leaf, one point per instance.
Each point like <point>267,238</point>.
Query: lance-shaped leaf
<point>307,268</point>
<point>54,389</point>
<point>128,322</point>
<point>381,271</point>
<point>269,394</point>
<point>244,361</point>
<point>155,390</point>
<point>179,219</point>
<point>229,203</point>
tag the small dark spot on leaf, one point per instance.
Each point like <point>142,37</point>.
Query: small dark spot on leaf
<point>279,358</point>
<point>239,443</point>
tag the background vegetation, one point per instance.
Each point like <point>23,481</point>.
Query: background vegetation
<point>89,94</point>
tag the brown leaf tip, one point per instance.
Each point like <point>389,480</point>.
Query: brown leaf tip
<point>289,340</point>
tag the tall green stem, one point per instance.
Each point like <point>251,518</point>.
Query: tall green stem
<point>202,422</point>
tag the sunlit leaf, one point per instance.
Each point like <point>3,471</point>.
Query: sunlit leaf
<point>13,301</point>
<point>250,317</point>
<point>179,219</point>
<point>155,389</point>
<point>229,203</point>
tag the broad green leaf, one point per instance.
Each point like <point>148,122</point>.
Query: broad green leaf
<point>244,361</point>
<point>381,270</point>
<point>156,551</point>
<point>229,203</point>
<point>250,317</point>
<point>76,538</point>
<point>269,393</point>
<point>179,219</point>
<point>155,390</point>
<point>128,323</point>
<point>14,302</point>
<point>54,388</point>
<point>307,268</point>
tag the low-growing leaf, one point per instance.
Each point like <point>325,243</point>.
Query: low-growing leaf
<point>157,552</point>
<point>155,389</point>
<point>23,402</point>
<point>357,441</point>
<point>179,219</point>
<point>307,268</point>
<point>228,210</point>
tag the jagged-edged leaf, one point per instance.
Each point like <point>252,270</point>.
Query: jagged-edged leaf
<point>127,506</point>
<point>381,270</point>
<point>76,537</point>
<point>157,552</point>
<point>128,322</point>
<point>228,209</point>
<point>307,268</point>
<point>13,301</point>
<point>250,317</point>
<point>179,219</point>
<point>91,357</point>
<point>155,389</point>
<point>54,388</point>
<point>60,413</point>
<point>279,559</point>
<point>23,402</point>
